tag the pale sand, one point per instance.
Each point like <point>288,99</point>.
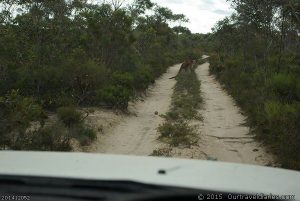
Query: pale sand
<point>224,133</point>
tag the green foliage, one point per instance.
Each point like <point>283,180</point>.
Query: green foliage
<point>186,101</point>
<point>115,96</point>
<point>16,114</point>
<point>22,126</point>
<point>166,152</point>
<point>73,120</point>
<point>85,136</point>
<point>123,79</point>
<point>273,110</point>
<point>70,50</point>
<point>69,116</point>
<point>142,78</point>
<point>284,85</point>
<point>186,97</point>
<point>63,100</point>
<point>178,133</point>
<point>53,137</point>
<point>215,67</point>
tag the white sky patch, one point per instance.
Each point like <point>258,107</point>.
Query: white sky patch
<point>203,14</point>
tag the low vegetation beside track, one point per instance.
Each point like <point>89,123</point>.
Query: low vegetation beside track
<point>178,130</point>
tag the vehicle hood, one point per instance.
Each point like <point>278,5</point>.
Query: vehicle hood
<point>198,174</point>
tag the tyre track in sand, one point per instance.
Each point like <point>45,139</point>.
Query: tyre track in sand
<point>225,136</point>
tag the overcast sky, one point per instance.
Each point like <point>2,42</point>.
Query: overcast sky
<point>203,14</point>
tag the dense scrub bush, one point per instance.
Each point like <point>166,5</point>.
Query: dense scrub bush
<point>142,78</point>
<point>84,78</point>
<point>123,79</point>
<point>216,67</point>
<point>284,86</point>
<point>85,135</point>
<point>22,123</point>
<point>273,111</point>
<point>52,101</point>
<point>23,127</point>
<point>69,116</point>
<point>62,100</point>
<point>178,133</point>
<point>93,49</point>
<point>52,137</point>
<point>115,96</point>
<point>16,114</point>
<point>74,121</point>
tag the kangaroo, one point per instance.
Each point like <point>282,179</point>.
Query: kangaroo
<point>186,65</point>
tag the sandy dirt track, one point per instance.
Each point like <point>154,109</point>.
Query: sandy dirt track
<point>223,134</point>
<point>136,134</point>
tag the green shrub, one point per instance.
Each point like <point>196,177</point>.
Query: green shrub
<point>284,85</point>
<point>142,78</point>
<point>173,115</point>
<point>53,137</point>
<point>166,152</point>
<point>16,114</point>
<point>273,110</point>
<point>69,116</point>
<point>166,129</point>
<point>178,133</point>
<point>232,63</point>
<point>52,102</point>
<point>186,98</point>
<point>85,136</point>
<point>64,100</point>
<point>123,79</point>
<point>289,138</point>
<point>90,133</point>
<point>215,66</point>
<point>292,110</point>
<point>115,96</point>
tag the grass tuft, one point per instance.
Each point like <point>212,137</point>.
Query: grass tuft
<point>186,100</point>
